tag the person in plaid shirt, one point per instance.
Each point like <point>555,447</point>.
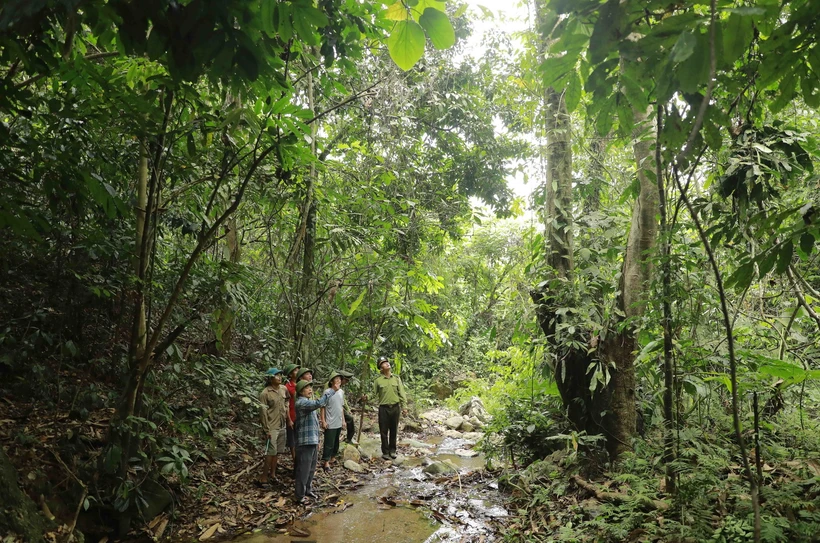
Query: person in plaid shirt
<point>307,438</point>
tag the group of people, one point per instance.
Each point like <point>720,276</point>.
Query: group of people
<point>292,418</point>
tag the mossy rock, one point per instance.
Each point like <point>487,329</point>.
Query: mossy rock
<point>18,513</point>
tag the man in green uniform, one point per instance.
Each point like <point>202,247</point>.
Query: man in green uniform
<point>389,392</point>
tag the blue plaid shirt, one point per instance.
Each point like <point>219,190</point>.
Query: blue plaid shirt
<point>307,423</point>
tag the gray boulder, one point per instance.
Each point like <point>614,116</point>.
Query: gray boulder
<point>412,426</point>
<point>454,423</point>
<point>352,453</point>
<point>439,468</point>
<point>353,466</point>
<point>474,408</point>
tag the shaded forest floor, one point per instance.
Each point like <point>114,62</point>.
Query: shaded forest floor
<point>571,495</point>
<point>55,445</point>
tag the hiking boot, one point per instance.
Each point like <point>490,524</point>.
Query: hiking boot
<point>393,455</point>
<point>385,457</point>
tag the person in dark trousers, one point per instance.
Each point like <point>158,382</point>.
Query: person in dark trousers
<point>349,421</point>
<point>389,392</point>
<point>307,439</point>
<point>331,418</point>
<point>290,386</point>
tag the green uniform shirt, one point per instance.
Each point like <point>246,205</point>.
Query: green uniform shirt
<point>274,408</point>
<point>389,390</point>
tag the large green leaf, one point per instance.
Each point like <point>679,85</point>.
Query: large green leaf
<point>737,35</point>
<point>356,303</point>
<point>573,91</point>
<point>397,12</point>
<point>268,10</point>
<point>684,47</point>
<point>605,32</point>
<point>438,27</point>
<point>406,44</point>
<point>419,7</point>
<point>306,19</point>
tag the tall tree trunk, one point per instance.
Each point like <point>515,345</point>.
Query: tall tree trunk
<point>666,302</point>
<point>617,352</point>
<point>139,338</point>
<point>559,185</point>
<point>306,239</point>
<point>227,315</point>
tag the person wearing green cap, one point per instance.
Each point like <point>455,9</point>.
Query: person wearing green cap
<point>290,386</point>
<point>304,374</point>
<point>307,438</point>
<point>331,418</point>
<point>273,400</point>
<point>349,421</point>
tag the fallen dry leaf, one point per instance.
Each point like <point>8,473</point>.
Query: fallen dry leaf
<point>299,532</point>
<point>161,529</point>
<point>268,497</point>
<point>209,532</point>
<point>209,522</point>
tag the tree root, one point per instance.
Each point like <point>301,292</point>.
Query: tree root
<point>643,502</point>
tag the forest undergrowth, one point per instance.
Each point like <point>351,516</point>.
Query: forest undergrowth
<point>566,490</point>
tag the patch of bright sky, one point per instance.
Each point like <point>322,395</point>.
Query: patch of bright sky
<point>511,17</point>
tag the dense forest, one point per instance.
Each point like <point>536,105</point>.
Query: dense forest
<point>196,191</point>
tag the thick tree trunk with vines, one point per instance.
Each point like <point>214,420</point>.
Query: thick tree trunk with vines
<point>618,352</point>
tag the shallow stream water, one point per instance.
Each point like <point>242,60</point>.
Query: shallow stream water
<point>403,504</point>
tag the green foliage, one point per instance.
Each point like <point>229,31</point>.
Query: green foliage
<point>413,20</point>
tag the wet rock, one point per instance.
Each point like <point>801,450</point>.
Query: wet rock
<point>370,448</point>
<point>466,453</point>
<point>412,426</point>
<point>454,434</point>
<point>414,443</point>
<point>351,453</point>
<point>476,422</point>
<point>399,460</point>
<point>439,468</point>
<point>454,423</point>
<point>438,415</point>
<point>353,466</point>
<point>466,426</point>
